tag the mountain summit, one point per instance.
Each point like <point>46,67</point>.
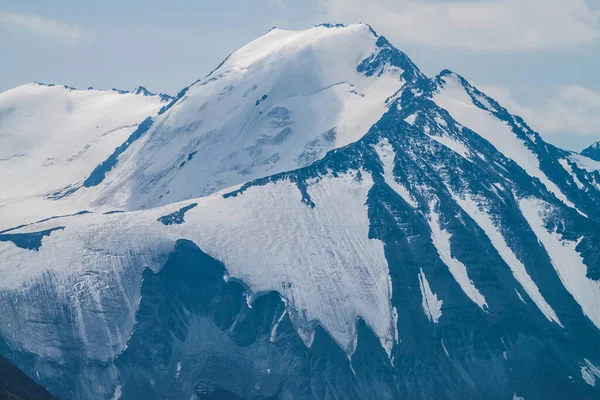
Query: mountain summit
<point>315,219</point>
<point>279,103</point>
<point>592,151</point>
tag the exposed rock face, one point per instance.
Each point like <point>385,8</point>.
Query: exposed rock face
<point>592,151</point>
<point>15,385</point>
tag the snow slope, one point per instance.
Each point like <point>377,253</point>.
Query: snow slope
<point>267,237</point>
<point>52,136</point>
<point>565,258</point>
<point>431,304</point>
<point>477,212</point>
<point>386,155</point>
<point>279,103</point>
<point>441,240</point>
<point>454,97</point>
<point>585,162</point>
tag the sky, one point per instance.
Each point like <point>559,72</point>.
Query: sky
<point>538,58</point>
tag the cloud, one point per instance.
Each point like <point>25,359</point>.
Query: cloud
<point>67,34</point>
<point>278,3</point>
<point>489,25</point>
<point>572,110</point>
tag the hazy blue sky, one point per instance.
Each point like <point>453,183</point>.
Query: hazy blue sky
<point>540,58</point>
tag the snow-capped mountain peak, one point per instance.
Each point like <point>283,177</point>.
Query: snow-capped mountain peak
<point>315,218</point>
<point>593,151</point>
<point>140,90</point>
<point>279,103</point>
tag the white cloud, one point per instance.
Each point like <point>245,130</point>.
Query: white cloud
<point>572,110</point>
<point>67,34</point>
<point>490,25</point>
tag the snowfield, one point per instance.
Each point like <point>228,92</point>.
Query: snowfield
<point>453,97</point>
<point>51,137</point>
<point>267,237</point>
<point>565,259</point>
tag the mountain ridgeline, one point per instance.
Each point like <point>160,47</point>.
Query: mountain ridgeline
<point>592,151</point>
<point>315,219</point>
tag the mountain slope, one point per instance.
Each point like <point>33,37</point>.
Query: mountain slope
<point>445,252</point>
<point>14,385</point>
<point>279,103</point>
<point>592,151</point>
<point>50,135</point>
